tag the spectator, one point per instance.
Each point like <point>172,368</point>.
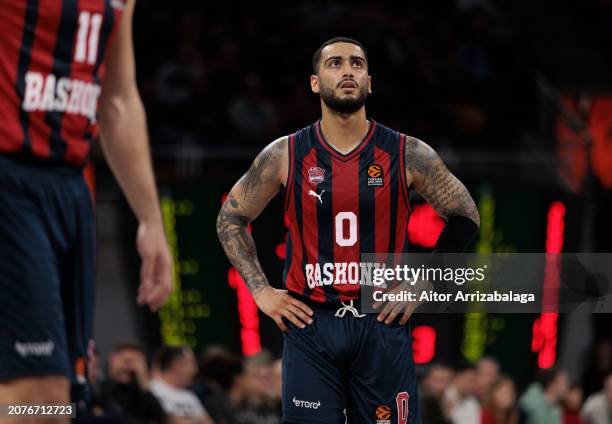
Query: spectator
<point>252,113</point>
<point>600,365</point>
<point>541,401</point>
<point>94,373</point>
<point>277,383</point>
<point>125,395</point>
<point>460,400</point>
<point>571,405</point>
<point>432,390</point>
<point>500,405</point>
<point>598,407</point>
<point>487,373</point>
<point>257,406</point>
<point>176,368</point>
<point>219,384</point>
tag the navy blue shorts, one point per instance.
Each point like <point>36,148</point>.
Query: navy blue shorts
<point>46,271</point>
<point>349,369</point>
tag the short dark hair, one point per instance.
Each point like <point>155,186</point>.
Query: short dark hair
<point>316,57</point>
<point>165,356</point>
<point>221,366</point>
<point>127,345</point>
<point>547,376</point>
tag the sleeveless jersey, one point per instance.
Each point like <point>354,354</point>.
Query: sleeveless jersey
<point>51,68</point>
<point>340,206</point>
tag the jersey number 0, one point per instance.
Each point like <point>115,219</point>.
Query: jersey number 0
<point>342,239</point>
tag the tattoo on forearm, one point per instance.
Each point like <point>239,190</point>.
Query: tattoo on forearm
<point>254,190</point>
<point>446,194</point>
<point>238,243</point>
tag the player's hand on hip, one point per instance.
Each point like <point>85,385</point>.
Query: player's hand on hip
<point>392,309</point>
<point>156,265</point>
<point>277,304</point>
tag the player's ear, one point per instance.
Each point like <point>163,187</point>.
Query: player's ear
<point>369,84</point>
<point>314,83</point>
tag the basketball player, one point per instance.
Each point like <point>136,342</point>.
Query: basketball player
<point>59,59</point>
<point>346,180</point>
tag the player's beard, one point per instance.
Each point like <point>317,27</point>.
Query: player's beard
<point>346,105</point>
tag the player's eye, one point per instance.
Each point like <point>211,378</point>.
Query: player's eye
<point>334,63</point>
<point>358,63</point>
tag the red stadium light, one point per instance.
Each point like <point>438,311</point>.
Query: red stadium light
<point>425,226</point>
<point>247,311</point>
<point>544,335</point>
<point>423,344</point>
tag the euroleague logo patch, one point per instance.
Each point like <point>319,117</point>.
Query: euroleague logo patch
<point>375,176</point>
<point>383,414</point>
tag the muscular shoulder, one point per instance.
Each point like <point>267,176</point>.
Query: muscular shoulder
<point>269,167</point>
<point>421,160</point>
<point>276,155</point>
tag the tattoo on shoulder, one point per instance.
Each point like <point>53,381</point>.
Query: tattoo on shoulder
<point>446,194</point>
<point>265,168</point>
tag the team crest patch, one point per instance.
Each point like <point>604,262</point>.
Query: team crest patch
<point>375,176</point>
<point>316,175</point>
<point>383,414</point>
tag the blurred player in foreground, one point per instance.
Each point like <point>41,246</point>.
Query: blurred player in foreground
<point>346,180</point>
<point>64,65</point>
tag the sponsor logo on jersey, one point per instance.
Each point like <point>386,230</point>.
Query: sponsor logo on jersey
<point>49,93</point>
<point>316,175</point>
<point>317,195</point>
<point>35,348</point>
<point>383,414</point>
<point>306,403</point>
<point>375,176</point>
<point>334,273</point>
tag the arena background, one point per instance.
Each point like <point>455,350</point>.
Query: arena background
<point>516,97</point>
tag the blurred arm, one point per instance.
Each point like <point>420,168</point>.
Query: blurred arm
<point>126,147</point>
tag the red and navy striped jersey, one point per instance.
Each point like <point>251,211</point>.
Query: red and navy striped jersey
<point>51,68</point>
<point>340,206</point>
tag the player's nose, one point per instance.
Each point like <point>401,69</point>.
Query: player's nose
<point>347,69</point>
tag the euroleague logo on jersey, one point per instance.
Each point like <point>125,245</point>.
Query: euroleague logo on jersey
<point>383,414</point>
<point>316,175</point>
<point>375,176</point>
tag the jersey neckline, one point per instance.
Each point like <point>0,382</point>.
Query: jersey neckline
<point>350,155</point>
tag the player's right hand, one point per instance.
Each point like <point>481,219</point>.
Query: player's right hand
<point>277,304</point>
<point>156,265</point>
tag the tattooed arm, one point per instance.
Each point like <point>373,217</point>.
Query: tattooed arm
<point>249,196</point>
<point>432,180</point>
<point>426,172</point>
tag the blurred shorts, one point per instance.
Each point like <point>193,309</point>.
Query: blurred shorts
<point>46,271</point>
<point>349,369</point>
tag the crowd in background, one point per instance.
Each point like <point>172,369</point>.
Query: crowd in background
<point>175,388</point>
<point>213,73</point>
<point>223,388</point>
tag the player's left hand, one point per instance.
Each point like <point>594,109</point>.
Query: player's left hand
<point>156,265</point>
<point>392,309</point>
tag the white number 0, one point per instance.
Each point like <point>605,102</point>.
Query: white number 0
<point>352,236</point>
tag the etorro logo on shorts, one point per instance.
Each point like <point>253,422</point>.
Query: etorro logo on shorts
<point>306,403</point>
<point>35,349</point>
